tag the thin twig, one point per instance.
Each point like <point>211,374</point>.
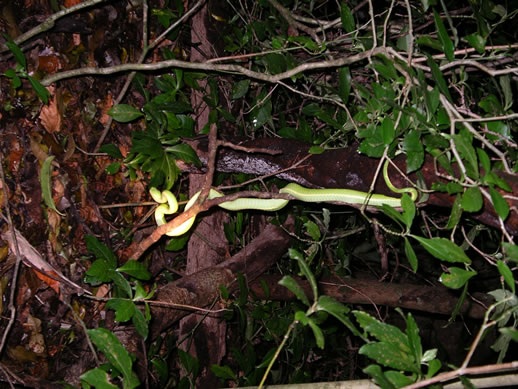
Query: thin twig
<point>225,68</point>
<point>51,20</point>
<point>16,271</point>
<point>147,48</point>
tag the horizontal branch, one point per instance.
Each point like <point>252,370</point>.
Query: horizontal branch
<point>225,68</point>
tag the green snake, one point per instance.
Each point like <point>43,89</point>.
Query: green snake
<point>169,205</point>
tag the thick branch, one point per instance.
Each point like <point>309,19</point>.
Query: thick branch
<point>433,299</point>
<point>201,288</point>
<point>346,168</point>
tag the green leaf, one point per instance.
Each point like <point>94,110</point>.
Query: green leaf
<point>140,84</point>
<point>140,292</point>
<point>10,73</point>
<point>410,254</point>
<point>124,309</point>
<point>507,274</point>
<point>472,200</point>
<point>467,151</point>
<point>100,250</point>
<point>17,52</point>
<point>306,271</point>
<point>388,131</point>
<point>505,84</point>
<point>275,63</point>
<point>140,323</point>
<point>382,331</point>
<point>439,79</point>
<point>432,100</point>
<point>414,148</point>
<point>16,81</point>
<point>414,340</point>
<point>98,272</point>
<point>429,355</point>
<point>338,310</point>
<point>344,83</point>
<point>347,18</point>
<point>98,378</point>
<point>443,249</point>
<point>177,243</point>
<point>512,333</point>
<point>408,210</point>
<point>110,149</point>
<point>429,42</point>
<point>501,206</point>
<point>116,354</point>
<point>316,150</point>
<point>312,230</point>
<point>428,3</point>
<point>306,42</point>
<point>433,366</point>
<point>331,306</point>
<point>240,89</point>
<point>485,162</point>
<point>456,278</point>
<point>113,168</point>
<point>446,42</point>
<point>190,363</point>
<point>135,269</point>
<point>317,332</point>
<point>262,112</point>
<point>392,213</point>
<point>388,354</point>
<point>456,213</point>
<point>477,42</point>
<point>375,372</point>
<point>491,105</point>
<point>121,282</point>
<point>398,379</point>
<point>292,285</point>
<point>511,251</point>
<point>242,299</point>
<point>46,184</point>
<point>147,154</point>
<point>124,113</point>
<point>223,372</point>
<point>40,90</point>
<point>493,178</point>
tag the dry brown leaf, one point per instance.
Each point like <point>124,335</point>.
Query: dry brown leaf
<point>106,105</point>
<point>71,3</point>
<point>50,116</point>
<point>32,257</point>
<point>58,190</point>
<point>52,282</point>
<point>49,63</point>
<point>36,340</point>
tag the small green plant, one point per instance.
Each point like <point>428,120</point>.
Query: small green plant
<point>119,366</point>
<point>104,270</point>
<point>156,149</point>
<point>127,294</point>
<point>316,312</point>
<point>21,72</point>
<point>400,351</point>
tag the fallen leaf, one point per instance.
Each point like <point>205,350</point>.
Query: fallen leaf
<point>52,282</point>
<point>33,258</point>
<point>50,116</point>
<point>71,3</point>
<point>106,105</point>
<point>49,63</point>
